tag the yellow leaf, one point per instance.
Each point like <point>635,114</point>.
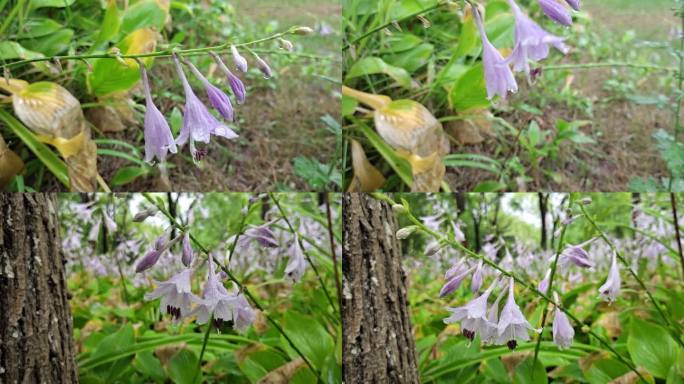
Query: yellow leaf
<point>10,164</point>
<point>366,177</point>
<point>12,85</point>
<point>140,41</point>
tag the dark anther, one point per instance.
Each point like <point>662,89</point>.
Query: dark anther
<point>512,344</point>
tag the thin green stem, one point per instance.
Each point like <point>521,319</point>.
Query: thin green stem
<point>675,219</point>
<point>607,65</point>
<point>636,277</point>
<point>294,232</point>
<point>455,244</point>
<point>331,235</point>
<point>240,286</point>
<point>164,53</point>
<point>204,347</point>
<point>559,249</point>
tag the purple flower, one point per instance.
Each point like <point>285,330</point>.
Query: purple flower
<point>244,315</point>
<point>296,264</point>
<point>160,243</point>
<point>455,269</point>
<point>498,75</point>
<point>472,315</point>
<point>187,250</point>
<point>531,41</point>
<point>512,325</point>
<point>454,281</point>
<point>476,282</point>
<point>261,234</point>
<point>489,331</point>
<point>556,12</point>
<point>235,83</point>
<point>576,255</point>
<point>217,98</point>
<point>263,67</point>
<point>611,288</point>
<point>175,294</point>
<point>158,137</point>
<point>198,123</point>
<point>148,261</point>
<point>215,300</point>
<point>239,61</point>
<point>575,4</point>
<point>562,330</point>
<point>543,286</point>
<point>145,213</point>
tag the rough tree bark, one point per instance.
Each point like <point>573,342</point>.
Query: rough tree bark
<point>378,344</point>
<point>35,321</point>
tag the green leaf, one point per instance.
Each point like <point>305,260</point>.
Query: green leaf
<point>309,336</point>
<point>39,27</point>
<point>375,65</point>
<point>413,59</point>
<point>13,50</point>
<point>42,152</point>
<point>530,372</point>
<point>489,186</point>
<point>183,366</point>
<point>126,175</point>
<point>110,25</point>
<point>35,4</point>
<point>319,176</point>
<point>651,347</point>
<point>51,44</point>
<point>145,13</point>
<point>469,91</point>
<point>147,364</point>
<point>671,151</point>
<point>348,105</point>
<point>112,344</point>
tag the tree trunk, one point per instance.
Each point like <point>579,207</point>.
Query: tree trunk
<point>35,321</point>
<point>378,344</point>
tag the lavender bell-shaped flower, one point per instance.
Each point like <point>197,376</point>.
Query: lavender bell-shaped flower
<point>148,261</point>
<point>543,286</point>
<point>219,100</point>
<point>498,75</point>
<point>263,67</point>
<point>531,41</point>
<point>489,331</point>
<point>198,123</point>
<point>187,250</point>
<point>472,315</point>
<point>512,326</point>
<point>297,263</point>
<point>175,294</point>
<point>454,281</point>
<point>239,60</point>
<point>556,12</point>
<point>215,301</point>
<point>562,330</point>
<point>235,83</point>
<point>158,137</point>
<point>611,288</point>
<point>262,234</point>
<point>575,4</point>
<point>476,282</point>
<point>576,255</point>
<point>244,315</point>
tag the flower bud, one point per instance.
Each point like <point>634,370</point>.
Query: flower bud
<point>263,67</point>
<point>239,61</point>
<point>303,31</point>
<point>405,232</point>
<point>398,208</point>
<point>585,201</point>
<point>148,261</point>
<point>432,248</point>
<point>187,250</point>
<point>144,214</point>
<point>286,44</point>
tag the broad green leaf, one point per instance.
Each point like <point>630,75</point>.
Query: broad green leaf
<point>35,4</point>
<point>469,91</point>
<point>51,44</point>
<point>147,364</point>
<point>530,372</point>
<point>183,366</point>
<point>651,347</point>
<point>400,42</point>
<point>143,14</point>
<point>110,24</point>
<point>309,336</point>
<point>113,344</point>
<point>126,175</point>
<point>413,59</point>
<point>348,105</point>
<point>39,27</point>
<point>671,151</point>
<point>375,65</point>
<point>469,38</point>
<point>13,50</point>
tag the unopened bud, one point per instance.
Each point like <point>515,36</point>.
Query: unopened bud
<point>432,248</point>
<point>406,232</point>
<point>585,201</point>
<point>398,208</point>
<point>144,214</point>
<point>303,31</point>
<point>286,44</point>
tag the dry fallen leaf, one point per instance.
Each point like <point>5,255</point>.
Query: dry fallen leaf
<point>366,178</point>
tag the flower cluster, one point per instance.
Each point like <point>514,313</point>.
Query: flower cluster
<point>199,124</point>
<point>532,43</point>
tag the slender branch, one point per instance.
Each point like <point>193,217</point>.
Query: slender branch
<point>204,347</point>
<point>338,285</point>
<point>607,65</point>
<point>636,277</point>
<point>313,267</point>
<point>455,244</point>
<point>240,286</point>
<point>675,218</point>
<point>164,53</point>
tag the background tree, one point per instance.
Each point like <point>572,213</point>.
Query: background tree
<point>378,344</point>
<point>35,321</point>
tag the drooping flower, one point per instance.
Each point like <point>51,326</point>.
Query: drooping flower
<point>148,261</point>
<point>198,123</point>
<point>175,294</point>
<point>239,61</point>
<point>489,331</point>
<point>512,326</point>
<point>456,269</point>
<point>575,4</point>
<point>454,281</point>
<point>403,233</point>
<point>235,83</point>
<point>215,300</point>
<point>263,67</point>
<point>432,248</point>
<point>472,315</point>
<point>158,137</point>
<point>476,282</point>
<point>576,255</point>
<point>543,286</point>
<point>458,233</point>
<point>109,223</point>
<point>556,12</point>
<point>297,263</point>
<point>531,41</point>
<point>145,213</point>
<point>262,234</point>
<point>611,288</point>
<point>244,315</point>
<point>498,75</point>
<point>187,250</point>
<point>562,330</point>
<point>219,100</point>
